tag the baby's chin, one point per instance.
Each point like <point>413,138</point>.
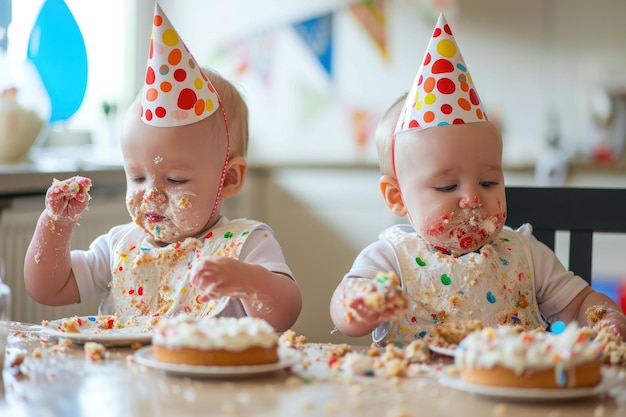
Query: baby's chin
<point>455,247</point>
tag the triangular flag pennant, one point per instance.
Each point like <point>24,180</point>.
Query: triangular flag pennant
<point>312,101</point>
<point>317,34</point>
<point>371,15</point>
<point>363,124</point>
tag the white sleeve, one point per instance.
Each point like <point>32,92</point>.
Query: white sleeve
<point>92,267</point>
<point>376,257</point>
<point>555,286</point>
<point>262,248</point>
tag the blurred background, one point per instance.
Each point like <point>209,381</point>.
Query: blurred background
<point>317,76</point>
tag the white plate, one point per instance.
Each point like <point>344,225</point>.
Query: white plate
<point>134,330</point>
<point>286,357</point>
<point>539,394</point>
<point>443,351</point>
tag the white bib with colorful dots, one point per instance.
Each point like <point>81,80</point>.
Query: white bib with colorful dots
<point>495,285</point>
<point>150,280</point>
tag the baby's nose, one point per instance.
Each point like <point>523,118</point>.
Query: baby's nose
<point>155,195</point>
<point>471,201</point>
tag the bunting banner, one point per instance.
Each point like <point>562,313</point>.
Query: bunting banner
<point>363,125</point>
<point>372,17</point>
<point>251,54</point>
<point>312,101</point>
<point>317,34</point>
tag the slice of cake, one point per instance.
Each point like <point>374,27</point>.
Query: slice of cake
<point>215,341</point>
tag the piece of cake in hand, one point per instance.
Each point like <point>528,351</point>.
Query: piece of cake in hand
<point>215,341</point>
<point>382,295</point>
<point>510,356</point>
<point>67,199</point>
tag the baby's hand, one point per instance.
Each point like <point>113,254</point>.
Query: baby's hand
<point>374,301</point>
<point>217,276</point>
<point>66,200</point>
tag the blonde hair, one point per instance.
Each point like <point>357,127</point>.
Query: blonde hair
<point>384,135</point>
<point>236,113</point>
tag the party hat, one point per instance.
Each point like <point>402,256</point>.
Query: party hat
<point>176,91</point>
<point>443,92</point>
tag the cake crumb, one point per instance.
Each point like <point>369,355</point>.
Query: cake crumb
<point>339,350</point>
<point>398,413</point>
<point>290,339</point>
<point>293,381</point>
<point>599,411</point>
<point>95,352</point>
<point>499,410</point>
<point>595,313</point>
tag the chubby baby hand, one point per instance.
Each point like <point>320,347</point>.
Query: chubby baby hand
<point>216,276</point>
<point>66,200</point>
<point>374,301</point>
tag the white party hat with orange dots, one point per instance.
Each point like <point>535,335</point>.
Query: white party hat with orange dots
<point>443,92</point>
<point>176,90</point>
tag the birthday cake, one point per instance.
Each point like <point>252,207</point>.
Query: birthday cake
<point>215,341</point>
<point>513,357</point>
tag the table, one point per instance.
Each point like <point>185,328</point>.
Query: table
<point>69,384</point>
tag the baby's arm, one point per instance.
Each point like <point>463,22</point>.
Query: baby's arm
<point>271,296</point>
<point>358,305</point>
<point>47,267</point>
<point>588,301</point>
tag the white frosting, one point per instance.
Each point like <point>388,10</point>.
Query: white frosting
<point>229,333</point>
<point>508,347</point>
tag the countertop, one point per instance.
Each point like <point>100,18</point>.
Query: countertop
<point>59,380</point>
<point>105,169</point>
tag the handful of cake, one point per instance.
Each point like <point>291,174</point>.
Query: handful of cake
<point>215,341</point>
<point>513,357</point>
<point>381,295</point>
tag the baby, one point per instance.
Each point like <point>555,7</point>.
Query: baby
<point>441,161</point>
<point>183,145</point>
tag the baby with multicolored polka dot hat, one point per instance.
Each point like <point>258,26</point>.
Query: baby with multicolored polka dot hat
<point>183,143</point>
<point>441,165</point>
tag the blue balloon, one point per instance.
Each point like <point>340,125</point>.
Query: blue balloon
<point>57,50</point>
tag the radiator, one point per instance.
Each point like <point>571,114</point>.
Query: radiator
<point>17,224</point>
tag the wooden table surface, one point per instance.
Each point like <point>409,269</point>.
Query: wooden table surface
<point>52,382</point>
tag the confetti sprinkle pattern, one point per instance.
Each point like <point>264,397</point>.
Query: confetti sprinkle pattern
<point>494,286</point>
<point>443,92</point>
<point>176,91</point>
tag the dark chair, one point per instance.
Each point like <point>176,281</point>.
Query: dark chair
<point>580,211</point>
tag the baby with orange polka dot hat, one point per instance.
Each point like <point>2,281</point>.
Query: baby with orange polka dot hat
<point>183,143</point>
<point>441,165</point>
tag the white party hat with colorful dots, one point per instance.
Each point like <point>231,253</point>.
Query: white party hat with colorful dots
<point>443,92</point>
<point>176,90</point>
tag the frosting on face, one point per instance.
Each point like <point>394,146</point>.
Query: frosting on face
<point>164,213</point>
<point>229,333</point>
<point>465,231</point>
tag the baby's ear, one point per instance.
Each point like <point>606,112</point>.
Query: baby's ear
<point>234,177</point>
<point>390,190</point>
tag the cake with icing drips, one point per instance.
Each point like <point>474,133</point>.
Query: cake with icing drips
<point>215,341</point>
<point>513,357</point>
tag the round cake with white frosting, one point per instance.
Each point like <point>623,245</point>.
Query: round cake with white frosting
<point>215,341</point>
<point>513,357</point>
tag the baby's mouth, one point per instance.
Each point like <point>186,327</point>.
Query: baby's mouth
<point>154,218</point>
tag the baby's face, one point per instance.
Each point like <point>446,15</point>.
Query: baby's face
<point>173,176</point>
<point>452,184</point>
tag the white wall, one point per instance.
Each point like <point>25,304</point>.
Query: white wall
<point>527,59</point>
